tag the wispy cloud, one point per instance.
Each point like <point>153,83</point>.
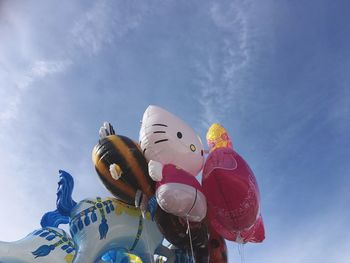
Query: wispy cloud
<point>103,25</point>
<point>221,76</point>
<point>43,68</point>
<point>32,100</point>
<point>99,26</point>
<point>21,82</point>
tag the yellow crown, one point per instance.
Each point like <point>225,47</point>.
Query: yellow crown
<point>217,137</point>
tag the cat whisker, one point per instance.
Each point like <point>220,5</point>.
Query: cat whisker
<point>159,132</point>
<point>164,140</point>
<point>160,124</point>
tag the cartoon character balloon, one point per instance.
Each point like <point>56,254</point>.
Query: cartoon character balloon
<point>121,166</point>
<point>175,155</point>
<point>231,190</point>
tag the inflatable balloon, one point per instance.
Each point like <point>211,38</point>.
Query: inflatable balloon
<point>175,154</point>
<point>99,225</point>
<point>122,168</point>
<point>229,186</point>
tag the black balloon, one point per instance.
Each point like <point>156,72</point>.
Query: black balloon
<point>175,228</point>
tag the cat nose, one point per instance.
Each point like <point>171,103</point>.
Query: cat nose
<point>193,148</point>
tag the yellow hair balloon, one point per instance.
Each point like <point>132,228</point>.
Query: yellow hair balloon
<point>217,137</point>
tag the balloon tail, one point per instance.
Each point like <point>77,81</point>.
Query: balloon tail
<point>188,231</point>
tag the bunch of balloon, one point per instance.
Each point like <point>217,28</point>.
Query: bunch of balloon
<point>158,175</point>
<point>231,190</point>
<point>156,170</point>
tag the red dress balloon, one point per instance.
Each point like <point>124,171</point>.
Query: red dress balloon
<point>231,190</point>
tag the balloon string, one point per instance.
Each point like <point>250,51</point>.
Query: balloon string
<point>241,252</point>
<point>189,234</point>
<point>148,244</point>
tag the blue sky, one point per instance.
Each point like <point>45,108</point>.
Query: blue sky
<point>274,73</point>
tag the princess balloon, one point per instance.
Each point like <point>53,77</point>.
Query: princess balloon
<point>231,190</point>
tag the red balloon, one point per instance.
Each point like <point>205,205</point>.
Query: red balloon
<point>232,193</point>
<point>255,234</point>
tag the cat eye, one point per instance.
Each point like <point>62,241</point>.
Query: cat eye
<point>179,135</point>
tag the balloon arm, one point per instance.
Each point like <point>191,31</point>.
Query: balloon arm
<point>106,129</point>
<point>115,171</point>
<point>155,170</point>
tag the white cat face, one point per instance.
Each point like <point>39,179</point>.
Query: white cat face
<point>169,140</point>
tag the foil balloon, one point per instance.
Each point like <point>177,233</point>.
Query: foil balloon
<point>175,155</point>
<point>122,168</point>
<point>230,187</point>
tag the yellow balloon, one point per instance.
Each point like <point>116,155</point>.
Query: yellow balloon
<point>217,137</point>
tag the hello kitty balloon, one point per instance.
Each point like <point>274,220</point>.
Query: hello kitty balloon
<point>175,155</point>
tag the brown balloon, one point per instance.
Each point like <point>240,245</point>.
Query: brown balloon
<point>126,154</point>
